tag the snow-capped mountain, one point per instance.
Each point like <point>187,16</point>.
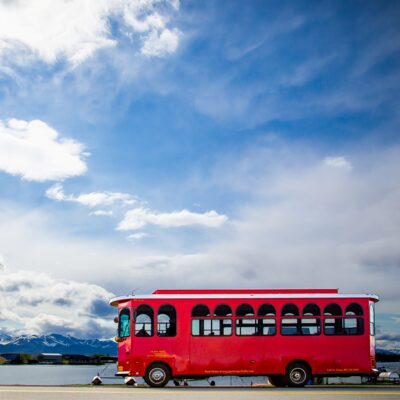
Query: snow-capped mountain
<point>56,343</point>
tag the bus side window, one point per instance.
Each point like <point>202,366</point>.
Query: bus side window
<point>246,326</point>
<point>353,326</point>
<point>372,319</point>
<point>144,321</point>
<point>166,321</point>
<point>354,309</point>
<point>212,327</point>
<point>124,323</point>
<point>333,326</point>
<point>266,324</point>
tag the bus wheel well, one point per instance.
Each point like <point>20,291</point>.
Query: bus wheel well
<point>305,363</point>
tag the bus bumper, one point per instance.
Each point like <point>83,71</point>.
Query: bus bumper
<point>375,372</point>
<point>122,373</point>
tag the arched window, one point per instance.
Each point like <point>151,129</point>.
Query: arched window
<point>333,309</point>
<point>289,309</point>
<point>144,321</point>
<point>244,310</point>
<point>166,321</point>
<point>311,309</point>
<point>266,310</point>
<point>200,311</point>
<point>354,309</point>
<point>222,310</point>
<point>124,323</point>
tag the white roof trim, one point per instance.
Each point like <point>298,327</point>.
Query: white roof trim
<point>243,296</point>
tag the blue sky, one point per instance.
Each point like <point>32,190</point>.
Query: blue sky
<point>235,144</point>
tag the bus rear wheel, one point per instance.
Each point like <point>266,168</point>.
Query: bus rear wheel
<point>297,375</point>
<point>157,375</point>
<point>277,380</point>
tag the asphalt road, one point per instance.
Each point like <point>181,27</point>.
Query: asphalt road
<point>269,393</point>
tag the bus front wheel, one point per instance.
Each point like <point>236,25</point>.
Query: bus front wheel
<point>157,375</point>
<point>297,375</point>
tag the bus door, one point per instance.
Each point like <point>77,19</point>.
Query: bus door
<point>212,349</point>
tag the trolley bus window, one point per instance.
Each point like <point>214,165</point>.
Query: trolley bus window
<point>268,327</point>
<point>212,327</point>
<point>353,326</point>
<point>311,309</point>
<point>144,321</point>
<point>344,326</point>
<point>246,326</point>
<point>371,319</point>
<point>289,309</point>
<point>354,309</point>
<point>300,326</point>
<point>222,310</point>
<point>166,321</point>
<point>333,309</point>
<point>266,310</point>
<point>244,310</point>
<point>200,311</point>
<point>124,323</point>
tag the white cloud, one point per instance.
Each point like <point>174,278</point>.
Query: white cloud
<point>137,236</point>
<point>2,264</point>
<point>34,151</point>
<point>338,162</point>
<point>93,199</point>
<point>102,213</point>
<point>42,304</point>
<point>53,30</point>
<point>161,43</point>
<point>140,217</point>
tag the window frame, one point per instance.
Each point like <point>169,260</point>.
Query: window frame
<point>129,324</point>
<point>152,323</point>
<point>157,333</point>
<point>299,325</point>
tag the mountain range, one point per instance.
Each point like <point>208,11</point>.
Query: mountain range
<point>55,343</point>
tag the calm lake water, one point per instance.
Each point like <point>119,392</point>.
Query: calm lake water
<point>83,374</point>
<point>54,374</point>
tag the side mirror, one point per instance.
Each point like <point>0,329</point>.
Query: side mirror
<point>118,339</point>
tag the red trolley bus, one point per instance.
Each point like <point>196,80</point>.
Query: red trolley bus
<point>289,335</point>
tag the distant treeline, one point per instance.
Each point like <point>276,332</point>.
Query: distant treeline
<point>387,357</point>
<point>49,358</point>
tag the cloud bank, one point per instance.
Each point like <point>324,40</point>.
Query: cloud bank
<point>56,30</point>
<point>140,217</point>
<point>35,151</point>
<point>34,303</point>
<point>93,199</point>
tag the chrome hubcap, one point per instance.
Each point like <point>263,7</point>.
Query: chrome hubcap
<point>157,375</point>
<point>298,375</point>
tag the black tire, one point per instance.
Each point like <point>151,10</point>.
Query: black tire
<point>157,375</point>
<point>277,380</point>
<point>297,375</point>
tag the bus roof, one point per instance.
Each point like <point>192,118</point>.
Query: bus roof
<point>243,291</point>
<point>240,293</point>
